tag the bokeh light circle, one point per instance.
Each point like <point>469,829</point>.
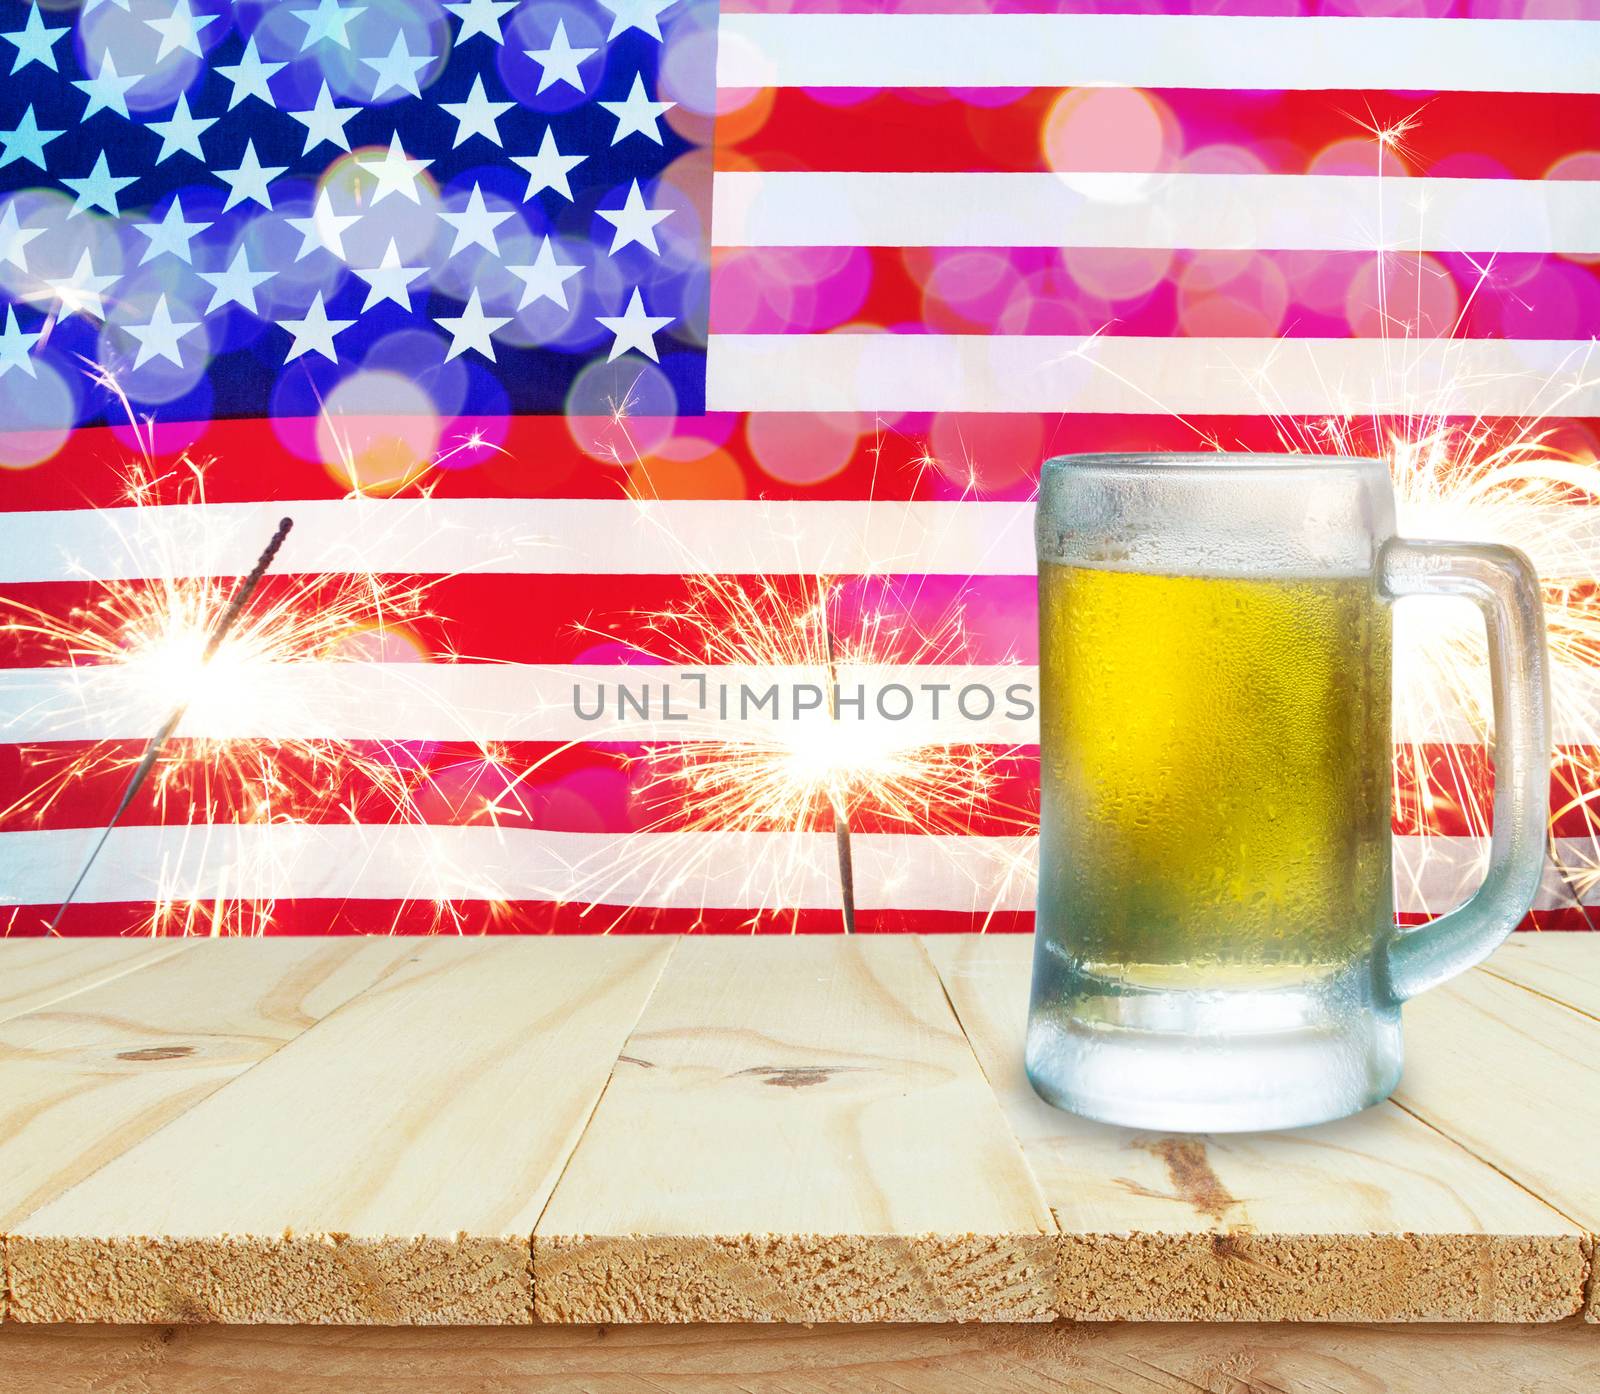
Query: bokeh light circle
<point>378,431</point>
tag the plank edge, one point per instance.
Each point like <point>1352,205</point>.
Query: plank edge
<point>675,1279</point>
<point>312,1279</point>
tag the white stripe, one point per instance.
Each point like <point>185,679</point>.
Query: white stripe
<point>1282,212</point>
<point>779,871</point>
<point>524,536</point>
<point>517,702</point>
<point>1156,376</point>
<point>432,537</point>
<point>934,50</point>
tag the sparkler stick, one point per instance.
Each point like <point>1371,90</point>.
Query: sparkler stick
<point>841,820</point>
<point>152,752</point>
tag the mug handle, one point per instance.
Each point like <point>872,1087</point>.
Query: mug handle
<point>1501,581</point>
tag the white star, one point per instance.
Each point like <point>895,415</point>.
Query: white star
<point>544,280</point>
<point>98,189</point>
<point>180,30</point>
<point>325,121</point>
<point>171,234</point>
<point>397,68</point>
<point>15,346</point>
<point>475,224</point>
<point>314,333</point>
<point>477,115</point>
<point>396,173</point>
<point>82,292</point>
<point>108,92</point>
<point>13,238</point>
<point>471,329</point>
<point>549,168</point>
<point>329,20</point>
<point>249,76</point>
<point>388,280</point>
<point>637,114</point>
<point>158,338</point>
<point>27,141</point>
<point>236,285</point>
<point>481,17</point>
<point>636,14</point>
<point>250,180</point>
<point>634,329</point>
<point>634,222</point>
<point>35,43</point>
<point>182,132</point>
<point>324,229</point>
<point>560,61</point>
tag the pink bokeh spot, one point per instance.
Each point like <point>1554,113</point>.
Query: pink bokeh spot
<point>803,448</point>
<point>971,284</point>
<point>1249,304</point>
<point>1042,304</point>
<point>1558,300</point>
<point>982,452</point>
<point>790,289</point>
<point>1109,129</point>
<point>1359,155</point>
<point>1406,296</point>
<point>1117,273</point>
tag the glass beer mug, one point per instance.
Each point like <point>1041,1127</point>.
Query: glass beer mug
<point>1216,947</point>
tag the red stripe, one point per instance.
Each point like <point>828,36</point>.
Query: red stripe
<point>773,455</point>
<point>1514,135</point>
<point>600,619</point>
<point>598,787</point>
<point>1152,293</point>
<point>616,787</point>
<point>476,917</point>
<point>1455,796</point>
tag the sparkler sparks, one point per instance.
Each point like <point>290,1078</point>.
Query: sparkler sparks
<point>1523,489</point>
<point>833,775</point>
<point>164,641</point>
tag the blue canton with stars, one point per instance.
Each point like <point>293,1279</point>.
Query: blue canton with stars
<point>264,208</point>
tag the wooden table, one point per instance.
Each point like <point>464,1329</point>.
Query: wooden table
<point>548,1164</point>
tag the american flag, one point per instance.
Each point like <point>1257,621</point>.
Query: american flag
<point>566,315</point>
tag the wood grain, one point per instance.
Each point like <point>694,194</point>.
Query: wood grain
<point>797,1131</point>
<point>1108,1358</point>
<point>387,1166</point>
<point>1565,967</point>
<point>1511,1075</point>
<point>35,973</point>
<point>1373,1218</point>
<point>95,1072</point>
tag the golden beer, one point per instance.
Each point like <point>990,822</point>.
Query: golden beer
<point>1216,780</point>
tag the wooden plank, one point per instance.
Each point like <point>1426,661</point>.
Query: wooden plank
<point>91,1075</point>
<point>387,1166</point>
<point>1064,1358</point>
<point>1373,1218</point>
<point>1512,1076</point>
<point>1563,966</point>
<point>797,1131</point>
<point>37,972</point>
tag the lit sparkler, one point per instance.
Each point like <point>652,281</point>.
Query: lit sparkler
<point>833,776</point>
<point>152,752</point>
<point>172,639</point>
